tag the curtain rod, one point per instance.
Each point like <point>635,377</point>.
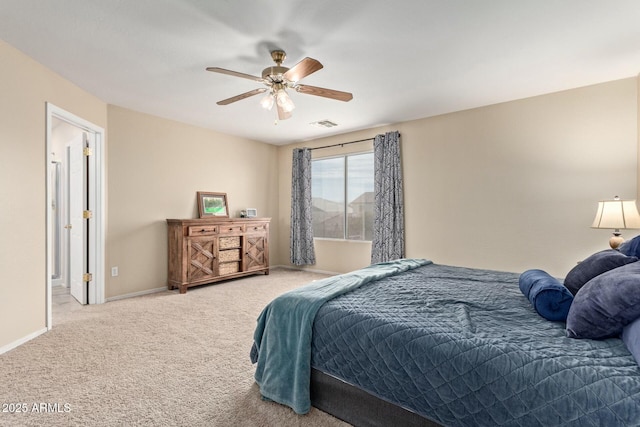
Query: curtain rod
<point>343,143</point>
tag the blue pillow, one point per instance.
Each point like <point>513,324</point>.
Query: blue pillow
<point>593,266</point>
<point>606,304</point>
<point>631,338</point>
<point>631,247</point>
<point>546,294</point>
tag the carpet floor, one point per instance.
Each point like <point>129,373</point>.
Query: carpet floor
<point>163,359</point>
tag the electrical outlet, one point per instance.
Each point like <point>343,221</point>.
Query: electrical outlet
<point>114,271</point>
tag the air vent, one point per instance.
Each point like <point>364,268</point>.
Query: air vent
<point>324,124</point>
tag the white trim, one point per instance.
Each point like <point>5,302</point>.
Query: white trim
<point>164,288</point>
<point>100,205</point>
<point>335,239</point>
<point>348,153</point>
<point>310,270</point>
<point>137,294</point>
<point>22,340</point>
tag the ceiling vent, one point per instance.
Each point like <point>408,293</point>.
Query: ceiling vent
<point>324,124</point>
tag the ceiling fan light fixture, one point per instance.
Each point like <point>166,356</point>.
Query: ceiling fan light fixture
<point>284,101</point>
<point>267,101</point>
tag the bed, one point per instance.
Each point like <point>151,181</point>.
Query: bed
<point>411,342</point>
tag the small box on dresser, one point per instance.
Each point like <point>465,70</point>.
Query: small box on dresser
<point>208,250</point>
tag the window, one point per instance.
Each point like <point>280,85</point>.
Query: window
<point>342,191</point>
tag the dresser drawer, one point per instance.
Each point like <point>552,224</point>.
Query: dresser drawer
<point>231,228</point>
<point>229,255</point>
<point>256,227</point>
<point>229,268</point>
<point>229,242</point>
<point>202,230</point>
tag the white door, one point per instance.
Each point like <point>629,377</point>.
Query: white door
<point>91,232</point>
<point>78,231</point>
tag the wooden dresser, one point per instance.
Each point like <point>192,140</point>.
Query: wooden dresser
<point>212,249</point>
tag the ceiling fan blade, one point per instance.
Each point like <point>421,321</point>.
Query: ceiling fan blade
<point>234,73</point>
<point>302,69</point>
<point>283,115</point>
<point>241,96</point>
<point>327,93</point>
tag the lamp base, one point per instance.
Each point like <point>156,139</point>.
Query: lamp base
<point>616,240</point>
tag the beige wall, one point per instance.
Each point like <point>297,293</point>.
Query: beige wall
<point>509,187</point>
<point>156,166</point>
<point>544,161</point>
<point>25,87</point>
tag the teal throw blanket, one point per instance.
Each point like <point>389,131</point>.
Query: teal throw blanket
<point>282,339</point>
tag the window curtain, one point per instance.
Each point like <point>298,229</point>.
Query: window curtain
<point>301,240</point>
<point>388,216</point>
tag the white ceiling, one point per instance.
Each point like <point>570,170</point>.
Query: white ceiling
<point>402,60</point>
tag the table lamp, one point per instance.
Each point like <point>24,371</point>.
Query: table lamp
<point>616,214</point>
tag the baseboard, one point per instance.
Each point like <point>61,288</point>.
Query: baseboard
<point>310,270</point>
<point>137,294</point>
<point>22,340</point>
<point>164,288</point>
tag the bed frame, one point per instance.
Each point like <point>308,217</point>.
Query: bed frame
<point>357,407</point>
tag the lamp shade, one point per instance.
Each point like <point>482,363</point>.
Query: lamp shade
<point>284,101</point>
<point>617,214</point>
<point>267,101</point>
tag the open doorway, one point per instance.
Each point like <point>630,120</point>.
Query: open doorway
<point>75,213</point>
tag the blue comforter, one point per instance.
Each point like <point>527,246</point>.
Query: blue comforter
<point>282,339</point>
<point>464,347</point>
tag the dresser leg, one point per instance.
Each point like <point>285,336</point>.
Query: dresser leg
<point>183,289</point>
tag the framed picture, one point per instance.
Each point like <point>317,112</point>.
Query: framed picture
<point>252,212</point>
<point>212,204</point>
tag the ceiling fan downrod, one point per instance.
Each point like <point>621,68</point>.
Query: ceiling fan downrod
<point>275,73</point>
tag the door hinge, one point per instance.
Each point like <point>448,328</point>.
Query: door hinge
<point>87,277</point>
<point>87,214</point>
<point>87,151</point>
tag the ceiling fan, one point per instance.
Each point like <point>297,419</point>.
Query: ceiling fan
<point>278,79</point>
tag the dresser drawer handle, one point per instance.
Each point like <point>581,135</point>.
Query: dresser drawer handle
<point>203,231</point>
